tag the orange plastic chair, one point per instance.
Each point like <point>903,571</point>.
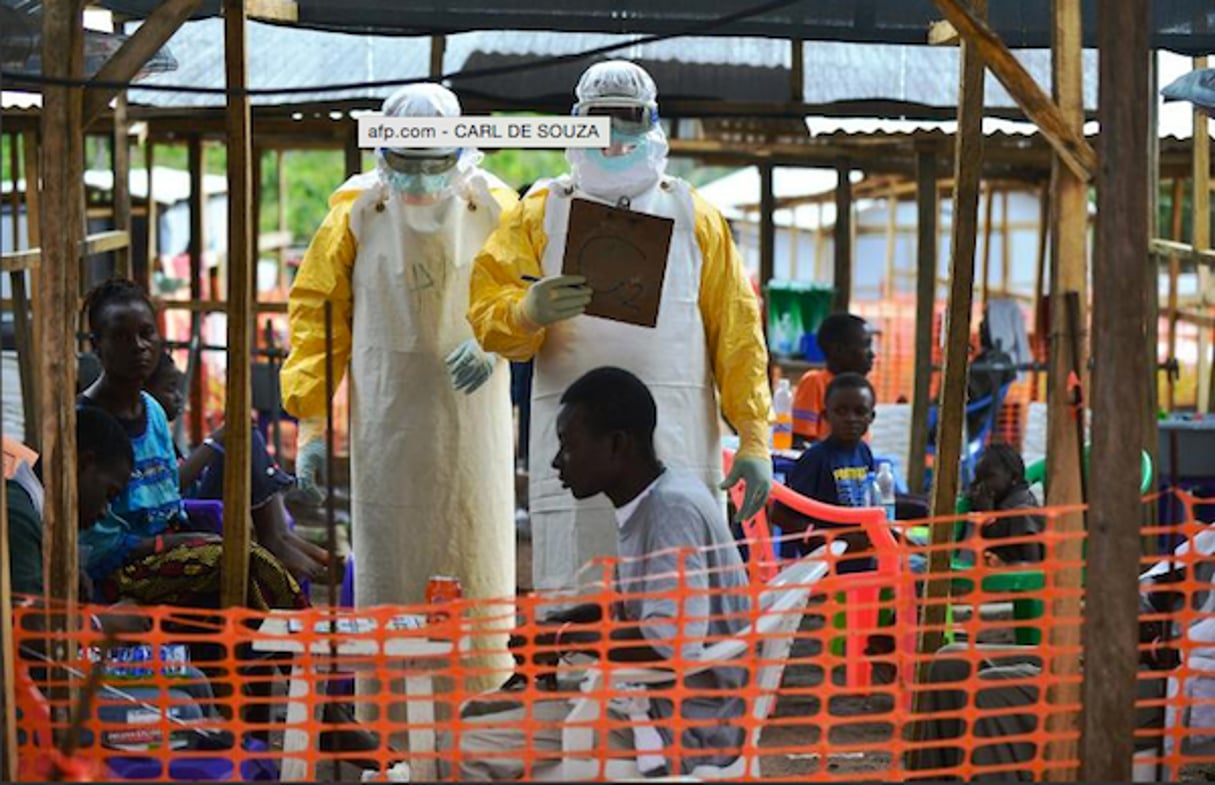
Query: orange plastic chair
<point>863,592</point>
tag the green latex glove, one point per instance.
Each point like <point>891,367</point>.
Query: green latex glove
<point>470,367</point>
<point>310,470</point>
<point>756,473</point>
<point>556,298</point>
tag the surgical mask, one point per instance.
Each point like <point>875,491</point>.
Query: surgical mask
<point>423,185</point>
<point>614,176</point>
<point>626,161</point>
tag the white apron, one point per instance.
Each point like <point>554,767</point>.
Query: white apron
<point>671,358</point>
<point>432,469</point>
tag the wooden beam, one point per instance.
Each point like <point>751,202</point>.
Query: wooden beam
<point>196,163</point>
<point>30,258</point>
<point>1180,250</point>
<point>1069,142</point>
<point>925,312</point>
<point>121,162</point>
<point>1069,254</point>
<point>767,236</point>
<point>217,306</point>
<point>951,423</point>
<point>1111,608</point>
<point>61,217</point>
<point>135,52</point>
<point>237,520</point>
<point>842,280</point>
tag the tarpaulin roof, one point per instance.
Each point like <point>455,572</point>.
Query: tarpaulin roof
<point>1183,26</point>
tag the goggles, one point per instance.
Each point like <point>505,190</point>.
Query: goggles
<point>628,117</point>
<point>419,164</point>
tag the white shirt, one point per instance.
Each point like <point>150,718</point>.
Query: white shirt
<point>624,513</point>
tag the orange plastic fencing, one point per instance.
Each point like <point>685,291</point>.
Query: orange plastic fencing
<point>272,695</point>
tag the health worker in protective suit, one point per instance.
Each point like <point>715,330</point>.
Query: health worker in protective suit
<point>431,441</point>
<point>707,341</point>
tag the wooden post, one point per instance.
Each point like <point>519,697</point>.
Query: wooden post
<point>1044,217</point>
<point>1201,222</point>
<point>968,164</point>
<point>152,260</point>
<point>197,162</point>
<point>989,193</point>
<point>797,71</point>
<point>438,47</point>
<point>843,240</point>
<point>22,332</point>
<point>9,751</point>
<point>240,312</point>
<point>256,221</point>
<point>820,245</point>
<point>1111,610</point>
<point>31,151</point>
<point>1068,236</point>
<point>57,312</point>
<point>1174,274</point>
<point>354,153</point>
<point>122,184</point>
<point>281,171</point>
<point>767,237</point>
<point>1005,247</point>
<point>925,310</point>
<point>892,216</point>
<point>1151,296</point>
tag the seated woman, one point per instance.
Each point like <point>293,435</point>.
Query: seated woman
<point>202,477</point>
<point>143,550</point>
<point>1000,487</point>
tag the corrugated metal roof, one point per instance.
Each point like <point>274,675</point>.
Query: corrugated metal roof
<point>898,80</point>
<point>1186,26</point>
<point>288,57</point>
<point>916,75</point>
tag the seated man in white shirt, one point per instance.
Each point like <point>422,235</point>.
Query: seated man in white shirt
<point>671,530</point>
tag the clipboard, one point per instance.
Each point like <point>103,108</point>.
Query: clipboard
<point>623,255</point>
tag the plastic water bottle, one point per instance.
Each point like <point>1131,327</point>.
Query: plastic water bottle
<point>782,405</point>
<point>884,483</point>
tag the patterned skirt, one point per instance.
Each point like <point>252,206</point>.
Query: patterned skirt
<point>188,575</point>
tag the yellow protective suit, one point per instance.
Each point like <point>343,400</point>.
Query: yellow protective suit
<point>432,468</point>
<point>708,340</point>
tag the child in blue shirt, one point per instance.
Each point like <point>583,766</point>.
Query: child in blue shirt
<point>836,470</point>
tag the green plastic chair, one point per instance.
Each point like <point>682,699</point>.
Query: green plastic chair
<point>1018,581</point>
